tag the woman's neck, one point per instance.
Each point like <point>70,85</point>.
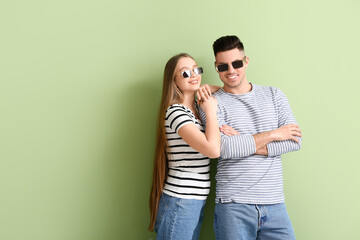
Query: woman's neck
<point>189,101</point>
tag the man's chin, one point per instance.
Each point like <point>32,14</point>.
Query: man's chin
<point>234,85</point>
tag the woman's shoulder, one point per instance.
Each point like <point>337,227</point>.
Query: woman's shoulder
<point>176,106</point>
<point>178,109</point>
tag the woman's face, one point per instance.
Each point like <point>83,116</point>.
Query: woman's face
<point>189,84</point>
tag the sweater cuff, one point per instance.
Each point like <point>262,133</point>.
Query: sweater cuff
<point>237,146</point>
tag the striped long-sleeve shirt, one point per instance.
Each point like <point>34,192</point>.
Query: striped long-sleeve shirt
<point>243,176</point>
<point>189,170</point>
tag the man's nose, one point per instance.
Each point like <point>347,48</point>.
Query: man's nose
<point>230,68</point>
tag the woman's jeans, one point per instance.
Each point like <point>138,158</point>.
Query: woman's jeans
<point>178,218</point>
<point>237,221</point>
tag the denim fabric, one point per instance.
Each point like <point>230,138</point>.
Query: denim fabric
<point>252,222</point>
<point>178,218</point>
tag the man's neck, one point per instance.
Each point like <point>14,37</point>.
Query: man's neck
<point>241,89</point>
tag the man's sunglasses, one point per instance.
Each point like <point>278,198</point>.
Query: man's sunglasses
<point>236,64</point>
<point>188,73</point>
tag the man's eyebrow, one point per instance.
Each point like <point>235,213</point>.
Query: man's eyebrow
<point>231,61</point>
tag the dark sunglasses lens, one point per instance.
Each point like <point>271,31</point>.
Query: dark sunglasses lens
<point>198,70</point>
<point>237,64</point>
<point>222,67</point>
<point>186,74</point>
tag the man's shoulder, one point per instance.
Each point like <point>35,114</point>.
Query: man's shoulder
<point>265,88</point>
<point>218,92</point>
<point>268,90</point>
<point>222,97</point>
<point>221,94</point>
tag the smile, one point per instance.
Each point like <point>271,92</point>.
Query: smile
<point>232,77</point>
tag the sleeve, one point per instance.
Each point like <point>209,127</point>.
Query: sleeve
<point>237,146</point>
<point>285,116</point>
<point>177,117</point>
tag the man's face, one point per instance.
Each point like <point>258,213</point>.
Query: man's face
<point>233,78</point>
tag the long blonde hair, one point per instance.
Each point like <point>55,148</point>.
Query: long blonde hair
<point>170,94</point>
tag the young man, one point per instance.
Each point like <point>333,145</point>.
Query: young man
<point>249,189</point>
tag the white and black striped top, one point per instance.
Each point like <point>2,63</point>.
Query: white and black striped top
<point>189,170</point>
<point>242,176</point>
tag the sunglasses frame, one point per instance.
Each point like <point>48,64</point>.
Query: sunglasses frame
<point>189,73</point>
<point>232,63</point>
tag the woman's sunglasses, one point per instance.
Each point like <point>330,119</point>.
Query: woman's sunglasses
<point>188,73</point>
<point>236,64</point>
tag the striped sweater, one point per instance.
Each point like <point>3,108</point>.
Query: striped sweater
<point>189,170</point>
<point>243,176</point>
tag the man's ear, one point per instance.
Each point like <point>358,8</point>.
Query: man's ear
<point>215,67</point>
<point>247,61</point>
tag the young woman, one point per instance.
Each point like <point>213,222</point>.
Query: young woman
<point>181,175</point>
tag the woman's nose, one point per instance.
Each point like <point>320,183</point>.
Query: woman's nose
<point>193,74</point>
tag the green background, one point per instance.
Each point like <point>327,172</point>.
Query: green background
<point>80,89</point>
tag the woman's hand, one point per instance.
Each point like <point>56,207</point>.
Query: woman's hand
<point>228,131</point>
<point>204,92</point>
<point>209,105</point>
<point>207,102</point>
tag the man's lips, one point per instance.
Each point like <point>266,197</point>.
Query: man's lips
<point>232,77</point>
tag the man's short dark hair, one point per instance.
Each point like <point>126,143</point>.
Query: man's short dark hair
<point>227,43</point>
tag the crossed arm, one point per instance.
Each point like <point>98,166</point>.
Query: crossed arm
<point>287,134</point>
<point>286,138</point>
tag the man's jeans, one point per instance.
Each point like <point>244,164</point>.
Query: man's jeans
<point>252,222</point>
<point>178,218</point>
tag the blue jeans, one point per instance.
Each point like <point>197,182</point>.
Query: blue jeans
<point>252,222</point>
<point>179,218</point>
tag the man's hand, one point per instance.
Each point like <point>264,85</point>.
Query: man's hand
<point>286,132</point>
<point>262,151</point>
<point>227,130</point>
